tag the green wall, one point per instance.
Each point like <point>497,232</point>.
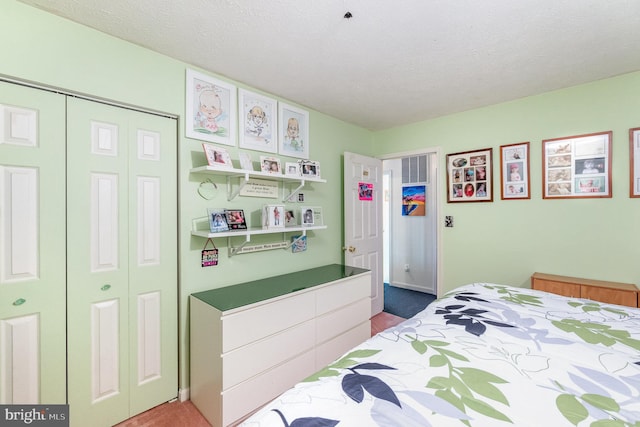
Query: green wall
<point>39,47</point>
<point>506,241</point>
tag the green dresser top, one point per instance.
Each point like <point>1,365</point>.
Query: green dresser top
<point>230,297</point>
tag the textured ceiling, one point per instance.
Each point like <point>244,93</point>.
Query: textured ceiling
<point>393,62</point>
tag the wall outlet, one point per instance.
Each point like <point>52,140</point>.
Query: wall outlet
<point>406,267</point>
<point>448,221</point>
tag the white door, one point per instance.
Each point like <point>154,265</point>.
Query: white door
<point>32,246</point>
<point>363,221</point>
<point>122,262</point>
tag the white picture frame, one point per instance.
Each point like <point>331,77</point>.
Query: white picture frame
<point>245,161</point>
<point>217,157</point>
<point>258,122</point>
<point>210,109</point>
<point>311,216</point>
<point>293,131</point>
<point>270,165</point>
<point>273,216</point>
<point>291,169</point>
<point>309,168</point>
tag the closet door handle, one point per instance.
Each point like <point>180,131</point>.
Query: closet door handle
<point>105,287</point>
<point>19,301</point>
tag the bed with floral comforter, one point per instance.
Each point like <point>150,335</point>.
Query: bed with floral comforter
<point>483,355</point>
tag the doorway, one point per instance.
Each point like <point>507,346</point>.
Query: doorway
<point>410,221</point>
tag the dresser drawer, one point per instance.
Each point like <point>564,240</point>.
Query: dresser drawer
<point>333,349</point>
<point>259,321</point>
<point>336,322</point>
<point>250,395</point>
<point>249,360</point>
<point>343,293</point>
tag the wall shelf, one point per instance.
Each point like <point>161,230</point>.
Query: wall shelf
<point>244,175</point>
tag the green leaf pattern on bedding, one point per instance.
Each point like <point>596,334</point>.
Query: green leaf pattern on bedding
<point>485,355</point>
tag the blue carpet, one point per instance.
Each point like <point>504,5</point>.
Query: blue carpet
<point>405,303</point>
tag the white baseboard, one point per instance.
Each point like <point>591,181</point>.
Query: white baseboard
<point>183,394</point>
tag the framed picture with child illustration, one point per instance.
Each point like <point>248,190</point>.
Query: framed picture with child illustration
<point>577,166</point>
<point>514,171</point>
<point>469,176</point>
<point>634,158</point>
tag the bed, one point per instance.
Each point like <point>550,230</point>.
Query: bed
<point>483,355</point>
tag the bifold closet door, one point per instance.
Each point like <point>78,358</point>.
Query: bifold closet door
<point>32,246</point>
<point>122,262</point>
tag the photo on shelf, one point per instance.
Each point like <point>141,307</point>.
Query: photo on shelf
<point>290,219</point>
<point>273,216</point>
<point>311,215</point>
<point>298,244</point>
<point>291,169</point>
<point>217,156</point>
<point>245,161</point>
<point>270,165</point>
<point>217,220</point>
<point>309,168</point>
<point>236,219</point>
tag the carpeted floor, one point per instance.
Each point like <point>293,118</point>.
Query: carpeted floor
<point>405,303</point>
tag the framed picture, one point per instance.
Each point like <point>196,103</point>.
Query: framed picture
<point>290,219</point>
<point>236,219</point>
<point>245,161</point>
<point>309,168</point>
<point>307,216</point>
<point>273,216</point>
<point>311,215</point>
<point>469,176</point>
<point>291,169</point>
<point>634,165</point>
<point>577,166</point>
<point>514,171</point>
<point>258,122</point>
<point>293,131</point>
<point>210,109</point>
<point>298,243</point>
<point>217,220</point>
<point>414,200</point>
<point>217,156</point>
<point>270,165</point>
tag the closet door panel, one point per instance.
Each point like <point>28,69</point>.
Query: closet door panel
<point>32,246</point>
<point>153,272</point>
<point>98,276</point>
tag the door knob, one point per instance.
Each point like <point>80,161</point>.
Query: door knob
<point>351,249</point>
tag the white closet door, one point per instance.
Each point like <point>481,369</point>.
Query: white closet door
<point>122,274</point>
<point>32,246</point>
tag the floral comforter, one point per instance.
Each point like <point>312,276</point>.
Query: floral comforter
<point>483,355</point>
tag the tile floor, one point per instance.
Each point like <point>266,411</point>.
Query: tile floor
<point>185,414</point>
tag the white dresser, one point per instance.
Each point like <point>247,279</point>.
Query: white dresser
<point>252,341</point>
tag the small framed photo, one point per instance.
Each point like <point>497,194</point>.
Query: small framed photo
<point>258,122</point>
<point>245,161</point>
<point>217,156</point>
<point>577,166</point>
<point>293,131</point>
<point>270,165</point>
<point>309,168</point>
<point>634,165</point>
<point>514,171</point>
<point>236,219</point>
<point>469,176</point>
<point>217,220</point>
<point>291,169</point>
<point>298,243</point>
<point>273,216</point>
<point>311,215</point>
<point>290,219</point>
<point>210,109</point>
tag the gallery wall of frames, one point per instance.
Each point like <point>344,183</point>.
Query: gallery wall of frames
<point>576,166</point>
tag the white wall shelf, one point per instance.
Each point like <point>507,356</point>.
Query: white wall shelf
<point>244,175</point>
